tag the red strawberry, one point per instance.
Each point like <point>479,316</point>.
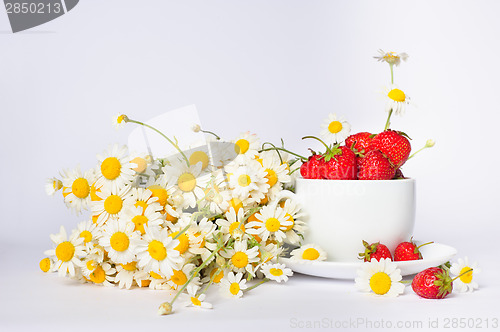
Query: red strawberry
<point>399,174</point>
<point>311,169</point>
<point>408,251</point>
<point>374,166</point>
<point>432,283</point>
<point>374,250</point>
<point>360,142</point>
<point>340,164</point>
<point>394,145</point>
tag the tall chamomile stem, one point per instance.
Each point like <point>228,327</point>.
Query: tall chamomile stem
<point>175,145</point>
<point>256,285</point>
<point>388,122</point>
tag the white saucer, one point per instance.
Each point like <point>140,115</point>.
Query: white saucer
<point>433,254</point>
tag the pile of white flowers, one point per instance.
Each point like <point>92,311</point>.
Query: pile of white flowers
<point>210,215</point>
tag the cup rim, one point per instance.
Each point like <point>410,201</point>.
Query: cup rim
<point>357,181</point>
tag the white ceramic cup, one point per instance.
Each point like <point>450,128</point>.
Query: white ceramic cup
<point>343,213</point>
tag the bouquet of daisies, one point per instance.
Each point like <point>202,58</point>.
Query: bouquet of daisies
<point>209,215</point>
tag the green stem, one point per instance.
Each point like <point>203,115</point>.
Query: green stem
<point>282,149</point>
<point>413,154</point>
<point>392,73</point>
<point>271,144</point>
<point>388,122</point>
<point>462,274</point>
<point>195,272</point>
<point>326,146</point>
<point>256,285</point>
<point>163,135</point>
<point>211,280</point>
<point>211,133</point>
<point>420,246</point>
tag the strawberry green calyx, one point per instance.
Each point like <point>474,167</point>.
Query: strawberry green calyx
<point>369,249</point>
<point>444,283</point>
<point>332,152</point>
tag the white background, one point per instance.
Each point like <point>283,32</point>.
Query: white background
<point>276,68</point>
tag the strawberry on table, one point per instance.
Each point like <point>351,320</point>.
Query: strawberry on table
<point>432,283</point>
<point>394,145</point>
<point>375,250</point>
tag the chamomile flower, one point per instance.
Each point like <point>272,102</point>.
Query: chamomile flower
<point>119,240</point>
<point>465,283</point>
<point>233,226</point>
<point>66,255</point>
<point>308,252</point>
<point>141,218</point>
<point>248,180</point>
<point>76,188</point>
<point>156,252</point>
<point>335,129</point>
<point>391,58</point>
<point>125,274</point>
<point>52,185</point>
<point>115,168</point>
<point>246,146</point>
<point>88,266</point>
<point>277,272</point>
<point>111,204</point>
<point>271,224</point>
<point>89,232</point>
<point>293,213</point>
<point>181,277</point>
<point>187,180</point>
<point>380,277</point>
<point>241,257</point>
<point>277,173</point>
<point>197,301</point>
<point>217,195</point>
<point>164,197</point>
<point>158,281</point>
<point>46,264</point>
<point>119,120</point>
<point>233,285</point>
<point>396,100</point>
<point>103,275</point>
<point>199,155</point>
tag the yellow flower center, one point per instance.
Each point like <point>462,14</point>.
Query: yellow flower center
<point>236,225</point>
<point>335,127</point>
<point>157,250</point>
<point>160,193</point>
<point>276,272</point>
<point>380,283</point>
<point>244,180</point>
<point>141,204</point>
<point>241,146</point>
<point>141,164</point>
<point>218,277</point>
<point>139,222</point>
<point>289,217</point>
<point>119,241</point>
<point>195,301</point>
<point>156,275</point>
<point>111,168</point>
<point>80,188</point>
<point>57,184</point>
<point>186,182</point>
<point>129,266</point>
<point>310,254</point>
<point>87,236</point>
<point>98,275</point>
<point>234,288</point>
<point>467,277</point>
<point>183,245</point>
<point>397,95</point>
<point>45,264</point>
<point>272,225</point>
<point>93,195</point>
<point>65,251</point>
<point>236,204</point>
<point>90,265</point>
<point>179,278</point>
<point>271,177</point>
<point>199,156</point>
<point>113,204</point>
<point>239,259</point>
<point>120,118</point>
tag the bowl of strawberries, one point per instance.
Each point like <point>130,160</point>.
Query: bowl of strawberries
<point>355,192</point>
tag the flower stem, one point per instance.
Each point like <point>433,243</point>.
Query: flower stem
<point>462,274</point>
<point>388,122</point>
<point>256,285</point>
<point>282,149</point>
<point>211,133</point>
<point>392,73</point>
<point>175,145</point>
<point>326,146</point>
